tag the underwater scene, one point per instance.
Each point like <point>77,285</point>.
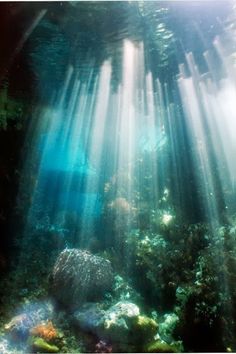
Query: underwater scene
<point>118,176</point>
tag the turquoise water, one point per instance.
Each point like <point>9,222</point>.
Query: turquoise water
<point>117,135</point>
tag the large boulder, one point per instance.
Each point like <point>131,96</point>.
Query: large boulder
<point>78,277</point>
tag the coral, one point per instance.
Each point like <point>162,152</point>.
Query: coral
<point>206,304</point>
<point>163,260</point>
<point>5,346</point>
<point>160,347</point>
<point>16,322</point>
<point>167,327</point>
<point>30,315</point>
<point>119,319</point>
<point>41,345</point>
<point>78,276</point>
<point>145,329</point>
<point>44,330</point>
<point>123,291</point>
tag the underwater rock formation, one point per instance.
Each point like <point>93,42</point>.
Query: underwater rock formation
<point>78,276</point>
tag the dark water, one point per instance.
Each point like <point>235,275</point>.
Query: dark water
<point>117,137</point>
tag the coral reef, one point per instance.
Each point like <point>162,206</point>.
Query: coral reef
<point>162,259</point>
<point>78,276</point>
<point>29,316</point>
<point>5,346</point>
<point>44,330</point>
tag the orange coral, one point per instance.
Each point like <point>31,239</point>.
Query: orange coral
<point>44,330</point>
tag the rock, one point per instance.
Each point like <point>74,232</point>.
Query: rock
<point>41,345</point>
<point>29,316</point>
<point>78,277</point>
<point>160,347</point>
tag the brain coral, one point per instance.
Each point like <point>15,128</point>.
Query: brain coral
<point>78,276</point>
